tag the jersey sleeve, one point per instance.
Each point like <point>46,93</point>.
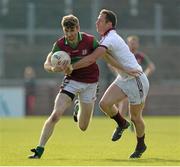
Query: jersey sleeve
<point>106,43</point>
<point>55,48</point>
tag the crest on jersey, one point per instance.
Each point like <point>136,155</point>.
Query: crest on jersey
<point>84,52</point>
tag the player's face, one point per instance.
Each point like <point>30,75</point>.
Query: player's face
<point>71,34</point>
<point>101,25</point>
<point>133,45</point>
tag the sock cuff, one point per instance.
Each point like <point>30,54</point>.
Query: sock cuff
<point>141,137</point>
<point>115,116</point>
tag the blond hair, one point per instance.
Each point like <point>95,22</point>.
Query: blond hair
<point>133,37</point>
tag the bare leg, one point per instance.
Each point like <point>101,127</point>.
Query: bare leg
<point>85,114</point>
<point>123,107</point>
<point>113,95</point>
<point>107,104</point>
<point>137,119</point>
<point>62,102</point>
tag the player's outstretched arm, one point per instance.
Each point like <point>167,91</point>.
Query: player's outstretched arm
<point>90,59</point>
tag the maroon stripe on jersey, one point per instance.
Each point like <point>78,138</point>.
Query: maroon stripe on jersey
<point>108,31</point>
<point>103,46</point>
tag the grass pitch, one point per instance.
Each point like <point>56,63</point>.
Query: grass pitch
<point>71,147</point>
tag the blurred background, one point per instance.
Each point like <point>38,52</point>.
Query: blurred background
<point>28,29</point>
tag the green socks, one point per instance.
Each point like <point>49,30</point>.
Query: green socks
<point>39,150</point>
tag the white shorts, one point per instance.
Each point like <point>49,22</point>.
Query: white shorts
<point>135,88</point>
<point>85,91</point>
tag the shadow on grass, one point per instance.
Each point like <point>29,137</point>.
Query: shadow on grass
<point>143,161</point>
<point>150,160</point>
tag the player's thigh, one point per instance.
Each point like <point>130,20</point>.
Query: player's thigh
<point>113,95</point>
<point>62,102</point>
<point>86,111</point>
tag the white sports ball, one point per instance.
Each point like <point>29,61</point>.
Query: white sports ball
<point>59,57</point>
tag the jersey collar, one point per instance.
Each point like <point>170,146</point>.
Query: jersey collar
<point>79,39</point>
<point>108,31</point>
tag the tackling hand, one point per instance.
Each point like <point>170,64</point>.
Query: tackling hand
<point>68,70</point>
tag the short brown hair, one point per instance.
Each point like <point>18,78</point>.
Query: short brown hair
<point>70,21</point>
<point>133,37</point>
<point>110,16</point>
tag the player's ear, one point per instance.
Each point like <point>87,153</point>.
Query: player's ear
<point>78,28</point>
<point>109,24</point>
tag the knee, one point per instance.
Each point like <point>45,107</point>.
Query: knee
<point>54,118</point>
<point>103,105</point>
<point>135,118</point>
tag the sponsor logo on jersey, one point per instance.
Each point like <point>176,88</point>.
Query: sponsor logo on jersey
<point>84,52</point>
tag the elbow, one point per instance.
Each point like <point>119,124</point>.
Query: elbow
<point>46,67</point>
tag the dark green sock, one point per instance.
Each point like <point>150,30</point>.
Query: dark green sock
<point>40,150</point>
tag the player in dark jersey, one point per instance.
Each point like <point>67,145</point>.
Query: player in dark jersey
<point>81,82</point>
<point>146,63</point>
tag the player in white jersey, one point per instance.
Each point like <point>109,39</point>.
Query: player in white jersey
<point>134,86</point>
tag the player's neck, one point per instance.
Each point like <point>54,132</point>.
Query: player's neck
<point>134,50</point>
<point>74,43</point>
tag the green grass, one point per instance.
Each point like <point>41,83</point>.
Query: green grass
<point>71,147</point>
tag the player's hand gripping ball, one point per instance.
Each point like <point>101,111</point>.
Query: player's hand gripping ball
<point>60,58</point>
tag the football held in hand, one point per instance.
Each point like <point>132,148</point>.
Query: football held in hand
<point>59,58</point>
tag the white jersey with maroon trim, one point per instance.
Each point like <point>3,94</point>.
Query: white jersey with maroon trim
<point>120,51</point>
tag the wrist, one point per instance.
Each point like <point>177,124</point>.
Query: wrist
<point>71,67</point>
<point>51,69</point>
